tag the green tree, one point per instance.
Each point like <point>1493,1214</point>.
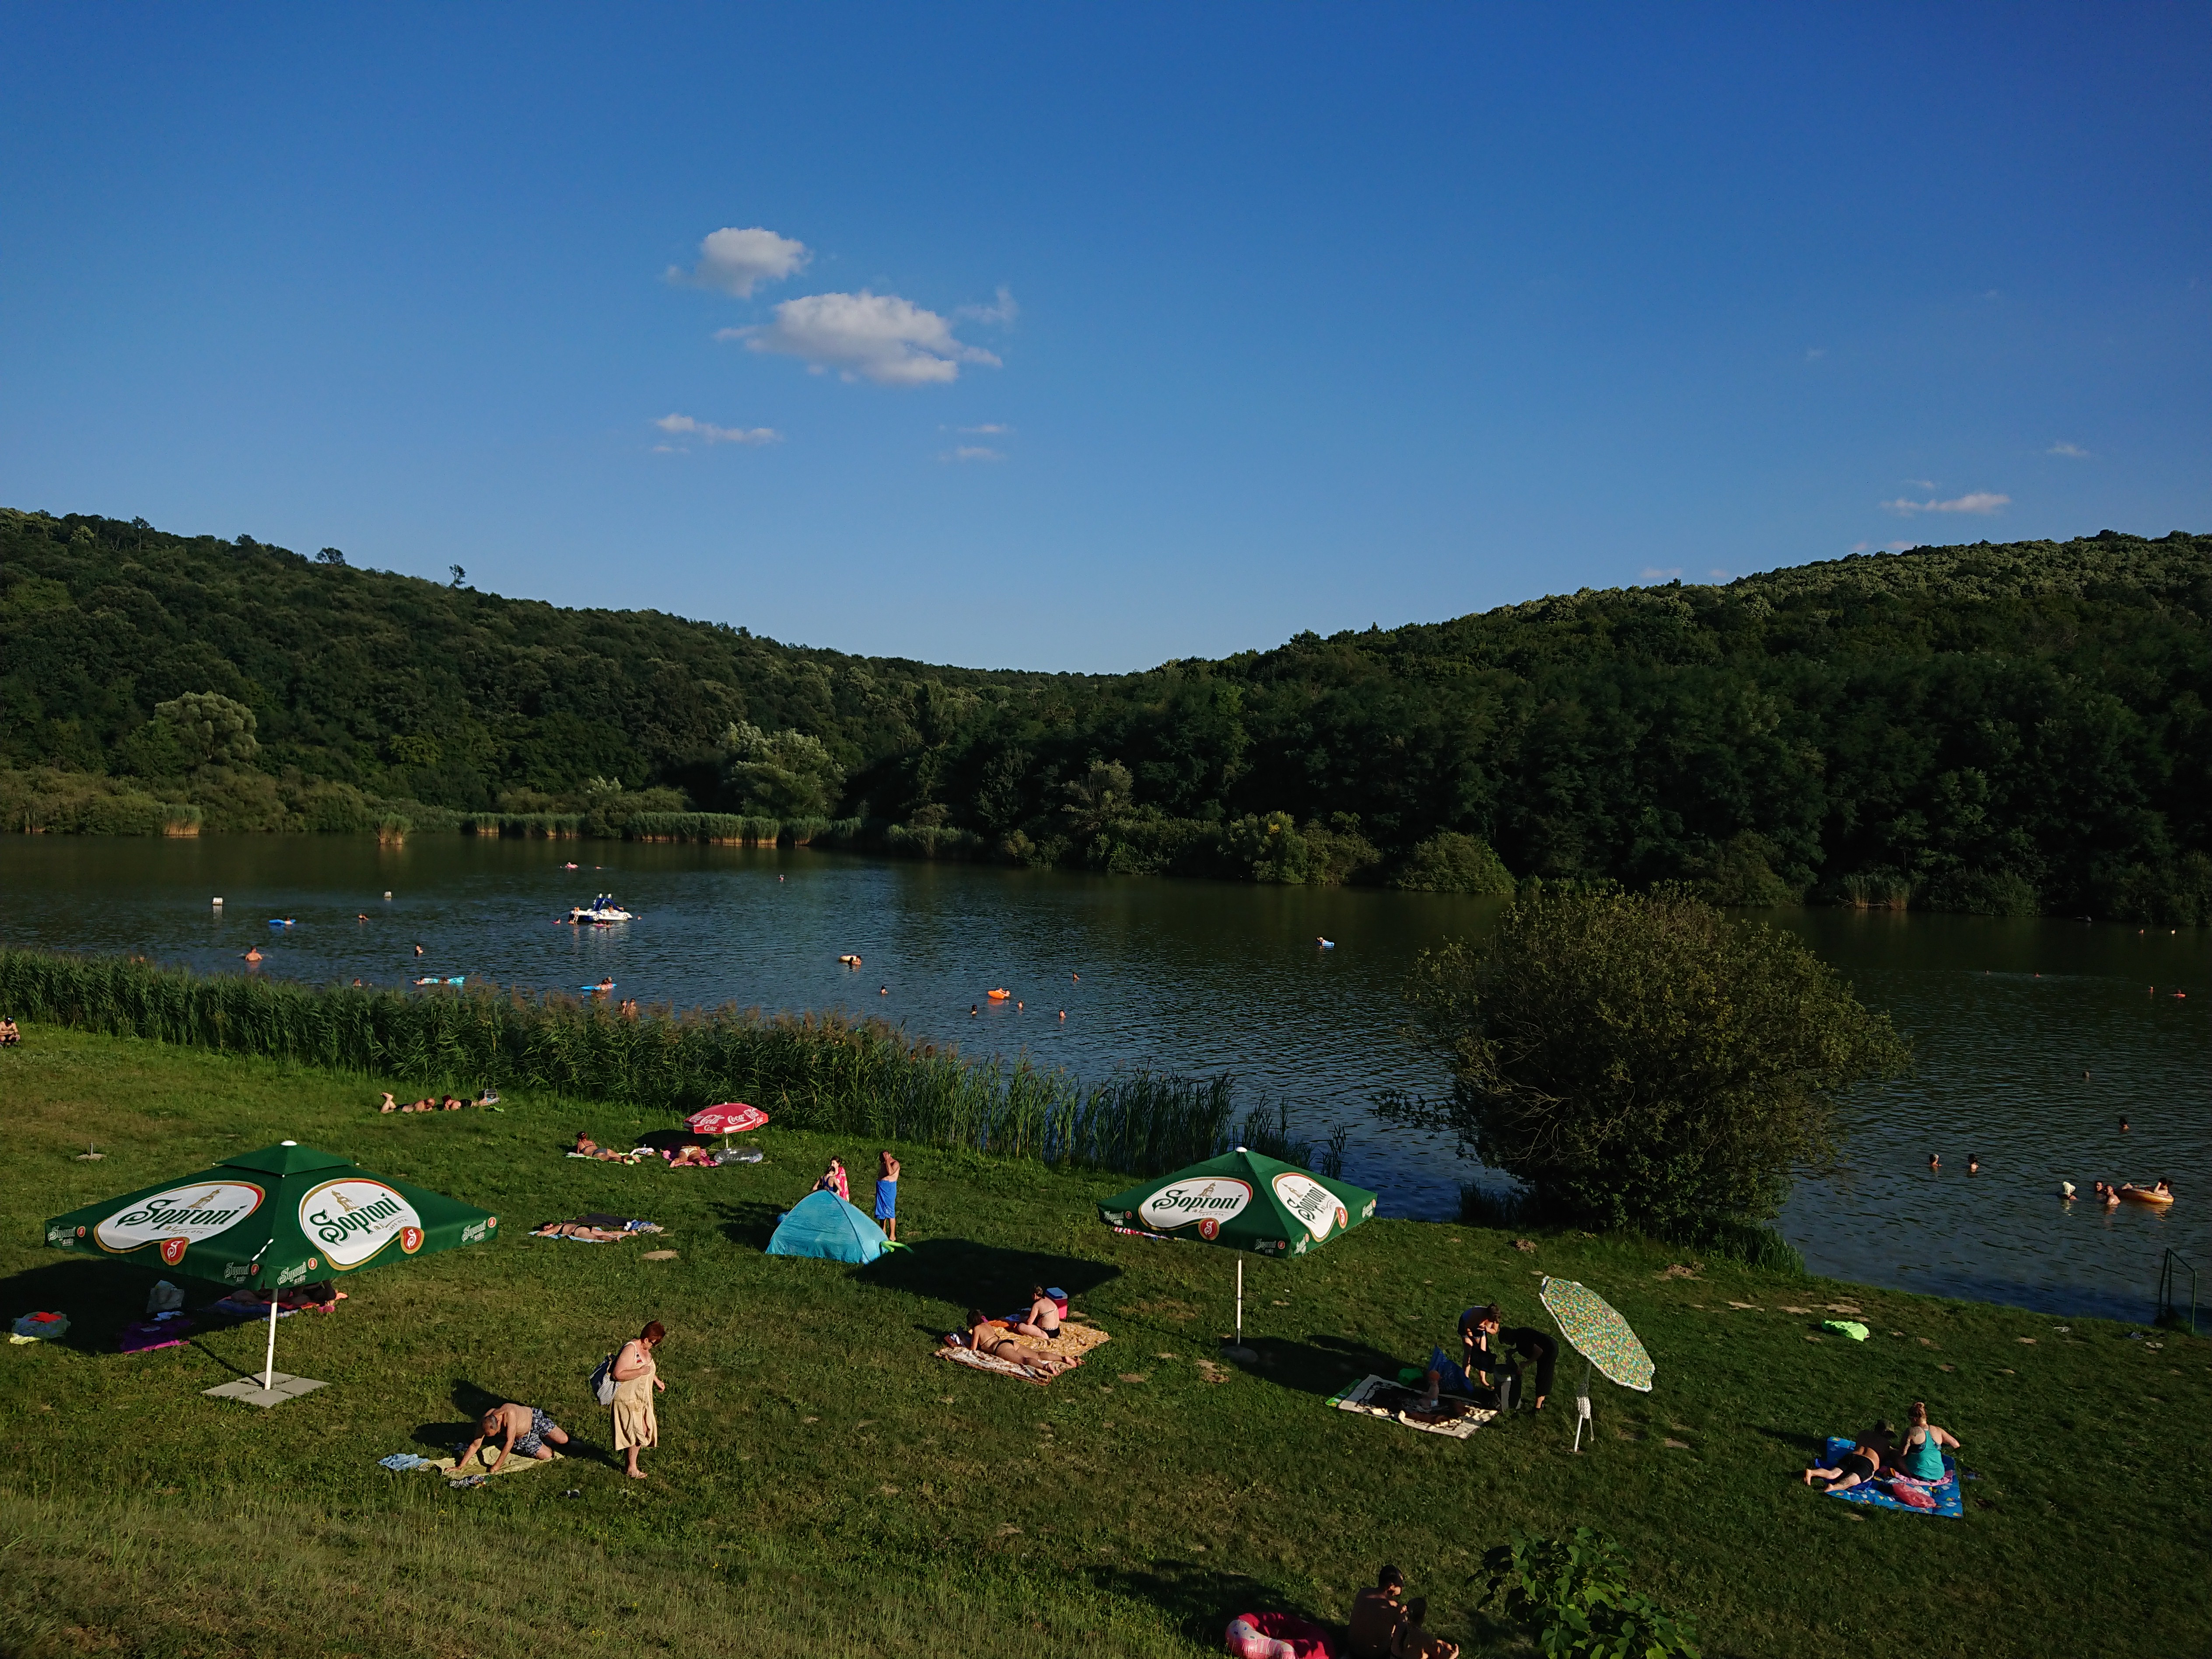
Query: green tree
<point>1640,1059</point>
<point>1449,862</point>
<point>210,729</point>
<point>789,775</point>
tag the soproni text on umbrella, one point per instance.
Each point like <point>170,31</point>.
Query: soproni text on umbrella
<point>1241,1201</point>
<point>269,1219</point>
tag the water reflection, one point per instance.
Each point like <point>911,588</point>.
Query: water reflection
<point>2033,1036</point>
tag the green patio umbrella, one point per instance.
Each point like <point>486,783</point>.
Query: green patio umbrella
<point>1603,1339</point>
<point>1245,1202</point>
<point>269,1219</point>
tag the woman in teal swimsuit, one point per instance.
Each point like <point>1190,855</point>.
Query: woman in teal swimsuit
<point>1925,1444</point>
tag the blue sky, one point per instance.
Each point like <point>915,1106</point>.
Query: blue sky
<point>1086,337</point>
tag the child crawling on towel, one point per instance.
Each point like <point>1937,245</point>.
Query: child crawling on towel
<point>988,1336</point>
<point>523,1429</point>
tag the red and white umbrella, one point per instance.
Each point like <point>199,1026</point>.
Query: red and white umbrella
<point>732,1117</point>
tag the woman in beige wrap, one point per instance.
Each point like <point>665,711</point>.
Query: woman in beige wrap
<point>636,1378</point>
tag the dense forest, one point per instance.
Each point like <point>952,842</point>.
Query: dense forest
<point>2005,728</point>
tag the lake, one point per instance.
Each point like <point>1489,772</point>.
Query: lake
<point>2034,1037</point>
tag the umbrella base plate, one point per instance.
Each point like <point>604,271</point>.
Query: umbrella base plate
<point>248,1388</point>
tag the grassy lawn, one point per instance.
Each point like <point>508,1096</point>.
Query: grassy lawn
<point>825,1485</point>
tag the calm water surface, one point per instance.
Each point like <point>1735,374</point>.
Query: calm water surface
<point>2035,1037</point>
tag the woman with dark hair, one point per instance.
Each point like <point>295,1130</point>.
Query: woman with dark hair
<point>636,1378</point>
<point>1491,1351</point>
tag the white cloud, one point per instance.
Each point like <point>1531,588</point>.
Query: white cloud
<point>973,453</point>
<point>1002,310</point>
<point>738,261</point>
<point>2071,452</point>
<point>1898,547</point>
<point>993,430</point>
<point>1978,500</point>
<point>1653,574</point>
<point>878,337</point>
<point>1814,353</point>
<point>1717,573</point>
<point>683,426</point>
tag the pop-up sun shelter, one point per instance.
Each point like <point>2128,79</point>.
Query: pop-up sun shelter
<point>1243,1201</point>
<point>823,1224</point>
<point>267,1220</point>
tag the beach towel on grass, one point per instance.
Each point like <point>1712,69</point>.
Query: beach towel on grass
<point>480,1465</point>
<point>1074,1341</point>
<point>1943,1494</point>
<point>1378,1396</point>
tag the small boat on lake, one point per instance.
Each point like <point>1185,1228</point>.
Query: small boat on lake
<point>599,913</point>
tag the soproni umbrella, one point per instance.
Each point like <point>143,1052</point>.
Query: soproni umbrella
<point>1601,1336</point>
<point>1245,1202</point>
<point>271,1219</point>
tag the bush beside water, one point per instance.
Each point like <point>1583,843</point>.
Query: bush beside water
<point>810,1071</point>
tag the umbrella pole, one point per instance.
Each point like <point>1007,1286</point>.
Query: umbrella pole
<point>269,1366</point>
<point>1240,1301</point>
<point>1583,1409</point>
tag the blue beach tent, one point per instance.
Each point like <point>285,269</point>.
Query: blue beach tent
<point>823,1224</point>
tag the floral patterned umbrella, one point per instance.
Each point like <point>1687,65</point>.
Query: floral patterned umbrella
<point>1599,1334</point>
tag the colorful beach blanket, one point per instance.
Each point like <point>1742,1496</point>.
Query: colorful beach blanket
<point>1378,1396</point>
<point>1943,1495</point>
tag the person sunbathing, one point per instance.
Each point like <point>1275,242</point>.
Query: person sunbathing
<point>1856,1467</point>
<point>453,1103</point>
<point>691,1157</point>
<point>1044,1319</point>
<point>582,1230</point>
<point>520,1428</point>
<point>987,1337</point>
<point>587,1147</point>
<point>390,1105</point>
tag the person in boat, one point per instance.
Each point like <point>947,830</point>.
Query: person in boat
<point>521,1430</point>
<point>1922,1456</point>
<point>1042,1320</point>
<point>2162,1188</point>
<point>602,987</point>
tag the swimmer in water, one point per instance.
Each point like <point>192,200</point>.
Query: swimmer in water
<point>1934,1162</point>
<point>1973,1164</point>
<point>1063,1014</point>
<point>973,1009</point>
<point>2123,1125</point>
<point>418,950</point>
<point>254,955</point>
<point>882,990</point>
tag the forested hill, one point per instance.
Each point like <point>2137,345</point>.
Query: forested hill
<point>2003,728</point>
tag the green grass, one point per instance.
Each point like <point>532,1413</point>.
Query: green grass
<point>825,1485</point>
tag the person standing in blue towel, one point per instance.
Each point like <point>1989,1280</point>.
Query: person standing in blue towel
<point>887,1174</point>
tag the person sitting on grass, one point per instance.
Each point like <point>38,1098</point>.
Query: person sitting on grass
<point>987,1337</point>
<point>1485,1348</point>
<point>1377,1613</point>
<point>1858,1465</point>
<point>1413,1640</point>
<point>9,1036</point>
<point>523,1430</point>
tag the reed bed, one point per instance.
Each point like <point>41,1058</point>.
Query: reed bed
<point>821,1071</point>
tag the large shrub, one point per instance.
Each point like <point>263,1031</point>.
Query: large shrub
<point>1641,1058</point>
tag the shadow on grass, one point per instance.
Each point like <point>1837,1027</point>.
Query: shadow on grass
<point>989,1276</point>
<point>101,1297</point>
<point>1202,1600</point>
<point>753,1222</point>
<point>1321,1365</point>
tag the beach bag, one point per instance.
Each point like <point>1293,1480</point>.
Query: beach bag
<point>602,1382</point>
<point>164,1297</point>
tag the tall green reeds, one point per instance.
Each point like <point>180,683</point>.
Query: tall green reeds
<point>808,1071</point>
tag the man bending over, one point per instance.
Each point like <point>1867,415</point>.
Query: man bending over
<point>525,1429</point>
